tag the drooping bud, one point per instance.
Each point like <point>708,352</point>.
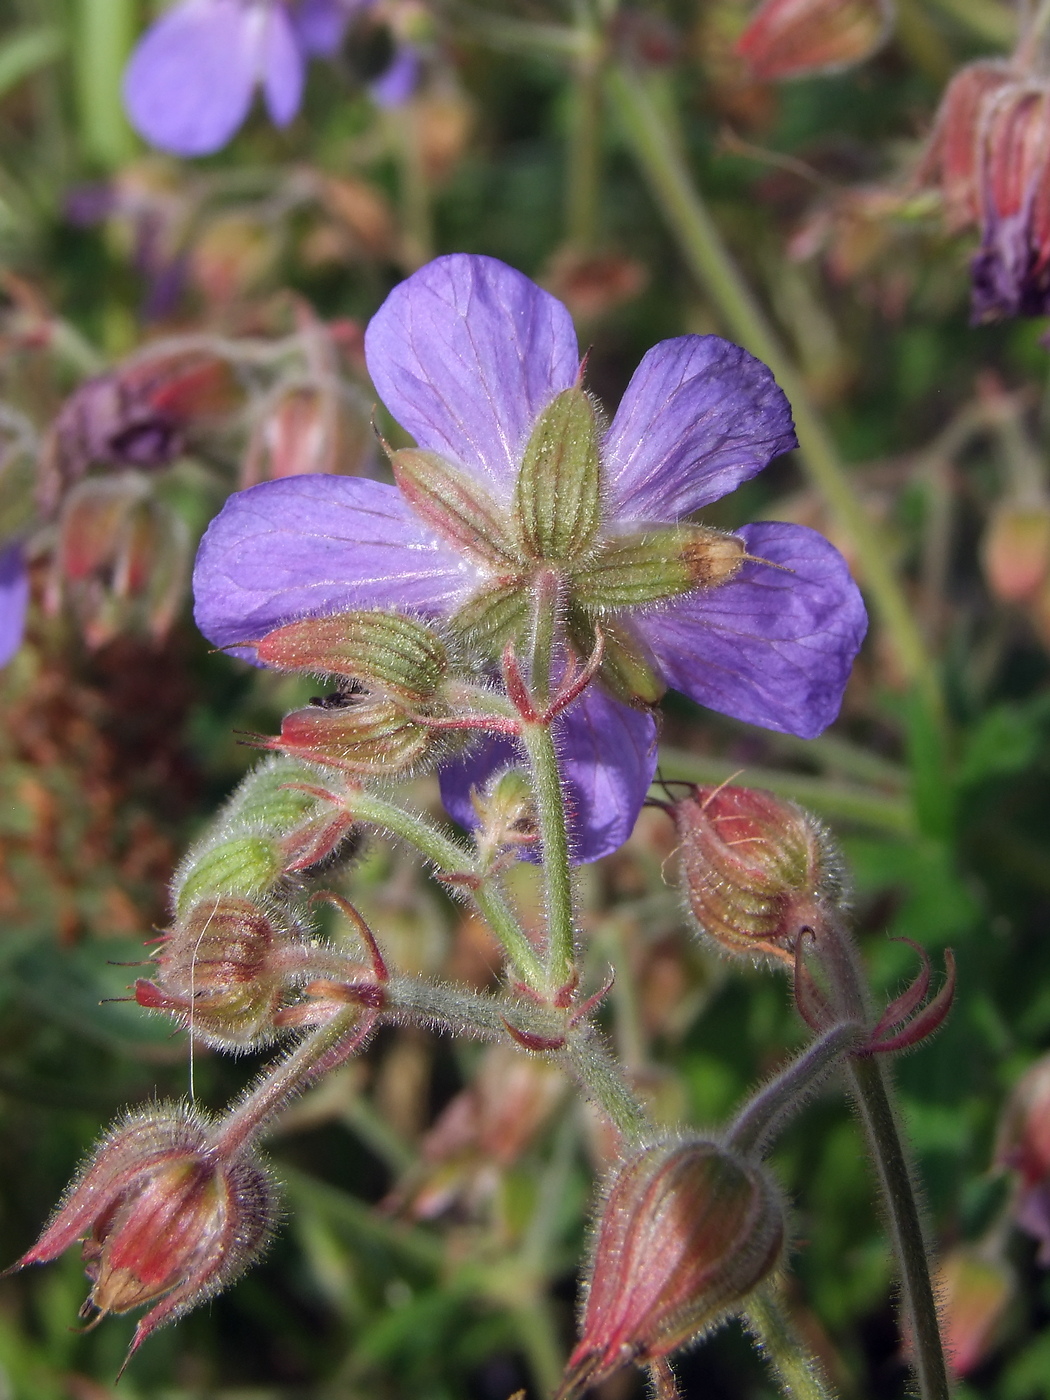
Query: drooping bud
<point>953,156</point>
<point>138,415</point>
<point>756,869</point>
<point>798,38</point>
<point>557,503</point>
<point>1015,551</point>
<point>305,429</point>
<point>973,1292</point>
<point>455,505</point>
<point>1011,272</point>
<point>1023,1145</point>
<point>687,1231</point>
<point>648,567</point>
<point>385,650</point>
<point>162,1217</point>
<point>222,971</point>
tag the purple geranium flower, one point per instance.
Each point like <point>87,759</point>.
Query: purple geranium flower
<point>467,354</point>
<point>14,599</point>
<point>190,82</point>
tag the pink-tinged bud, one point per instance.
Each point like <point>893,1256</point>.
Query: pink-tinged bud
<point>973,1293</point>
<point>1011,272</point>
<point>756,869</point>
<point>222,971</point>
<point>138,415</point>
<point>382,650</point>
<point>371,737</point>
<point>952,160</point>
<point>1015,551</point>
<point>306,429</point>
<point>686,1232</point>
<point>161,1217</point>
<point>1023,1145</point>
<point>797,38</point>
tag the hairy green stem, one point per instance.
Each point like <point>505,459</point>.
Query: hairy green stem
<point>902,1209</point>
<point>663,166</point>
<point>797,1371</point>
<point>587,1060</point>
<point>453,859</point>
<point>550,811</point>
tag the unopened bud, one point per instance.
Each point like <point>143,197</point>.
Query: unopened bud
<point>297,434</point>
<point>756,869</point>
<point>687,1231</point>
<point>656,564</point>
<point>953,157</point>
<point>221,972</point>
<point>797,38</point>
<point>163,1219</point>
<point>374,737</point>
<point>973,1292</point>
<point>557,503</point>
<point>506,810</point>
<point>1023,1145</point>
<point>1015,551</point>
<point>380,649</point>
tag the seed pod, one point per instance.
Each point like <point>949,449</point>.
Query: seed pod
<point>756,869</point>
<point>686,1232</point>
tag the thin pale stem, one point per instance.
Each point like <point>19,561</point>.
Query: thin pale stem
<point>797,1371</point>
<point>453,859</point>
<point>583,167</point>
<point>660,159</point>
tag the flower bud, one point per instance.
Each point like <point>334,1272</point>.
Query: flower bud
<point>557,503</point>
<point>952,160</point>
<point>973,1293</point>
<point>297,434</point>
<point>506,810</point>
<point>797,38</point>
<point>455,505</point>
<point>221,972</point>
<point>1015,551</point>
<point>1023,1145</point>
<point>138,415</point>
<point>686,1232</point>
<point>162,1218</point>
<point>380,649</point>
<point>373,737</point>
<point>756,869</point>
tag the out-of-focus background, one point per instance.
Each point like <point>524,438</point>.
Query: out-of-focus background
<point>437,1193</point>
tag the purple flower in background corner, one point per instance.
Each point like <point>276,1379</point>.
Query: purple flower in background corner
<point>191,80</point>
<point>472,359</point>
<point>14,600</point>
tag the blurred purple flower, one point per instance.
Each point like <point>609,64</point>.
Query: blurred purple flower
<point>466,354</point>
<point>190,82</point>
<point>14,599</point>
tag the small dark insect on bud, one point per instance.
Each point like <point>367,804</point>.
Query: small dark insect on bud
<point>162,1218</point>
<point>687,1231</point>
<point>756,869</point>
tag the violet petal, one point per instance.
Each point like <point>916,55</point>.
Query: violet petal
<point>321,24</point>
<point>281,64</point>
<point>769,647</point>
<point>398,82</point>
<point>304,546</point>
<point>700,416</point>
<point>608,757</point>
<point>466,353</point>
<point>190,80</point>
<point>14,600</point>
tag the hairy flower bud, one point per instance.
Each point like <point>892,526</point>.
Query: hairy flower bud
<point>373,737</point>
<point>221,972</point>
<point>1015,551</point>
<point>382,650</point>
<point>953,156</point>
<point>797,38</point>
<point>506,810</point>
<point>461,511</point>
<point>656,564</point>
<point>687,1231</point>
<point>973,1292</point>
<point>163,1219</point>
<point>756,869</point>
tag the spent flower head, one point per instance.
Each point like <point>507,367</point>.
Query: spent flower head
<point>517,497</point>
